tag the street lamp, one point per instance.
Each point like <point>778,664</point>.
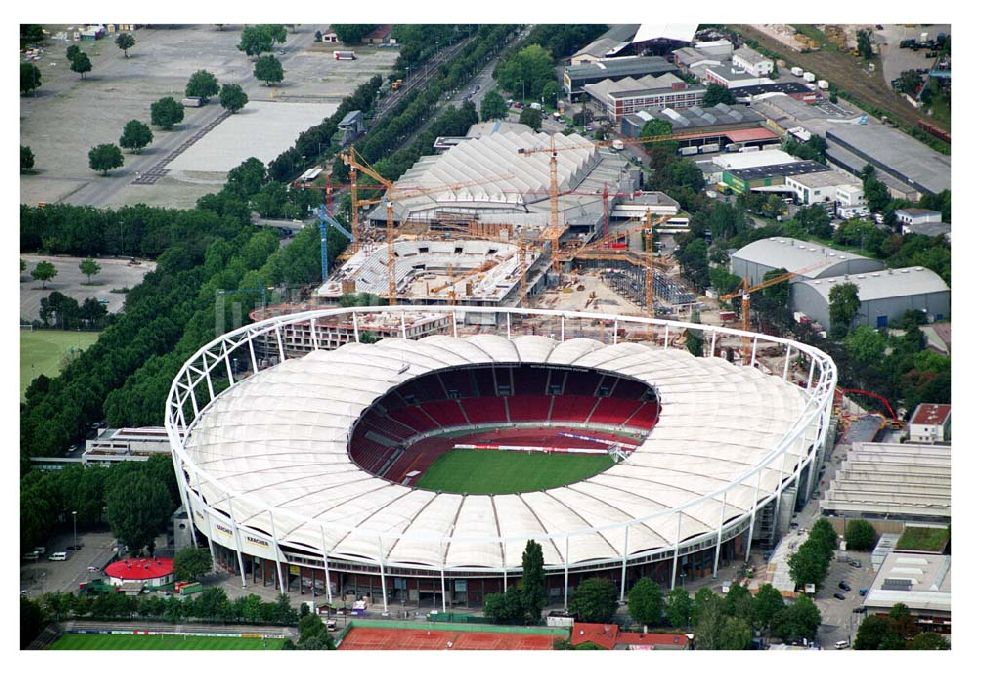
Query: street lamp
<point>75,547</point>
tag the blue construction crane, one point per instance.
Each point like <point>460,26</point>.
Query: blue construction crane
<point>327,218</point>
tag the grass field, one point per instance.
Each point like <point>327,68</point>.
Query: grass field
<point>490,471</point>
<point>923,538</point>
<point>160,643</point>
<point>42,351</point>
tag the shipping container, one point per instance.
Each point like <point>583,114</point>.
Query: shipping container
<point>193,101</point>
<point>710,148</point>
<point>341,55</point>
<point>823,84</point>
<point>689,150</point>
<point>797,72</point>
<point>808,77</point>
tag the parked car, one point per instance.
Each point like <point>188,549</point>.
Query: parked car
<point>844,586</point>
<point>859,609</point>
<point>855,563</point>
<point>58,557</point>
<point>92,569</point>
<point>839,595</point>
<point>31,556</point>
<point>863,591</point>
<point>842,644</point>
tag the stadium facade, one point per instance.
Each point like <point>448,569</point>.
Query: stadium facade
<point>290,468</point>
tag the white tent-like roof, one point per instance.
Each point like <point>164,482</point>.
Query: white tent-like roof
<point>675,32</point>
<point>274,446</point>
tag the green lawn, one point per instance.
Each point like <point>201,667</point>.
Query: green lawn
<point>490,471</point>
<point>923,538</point>
<point>42,351</point>
<point>160,643</point>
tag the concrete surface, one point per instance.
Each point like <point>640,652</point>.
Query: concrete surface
<point>272,127</point>
<point>115,274</point>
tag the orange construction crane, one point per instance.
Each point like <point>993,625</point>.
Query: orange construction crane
<point>350,158</point>
<point>746,290</point>
<point>555,231</point>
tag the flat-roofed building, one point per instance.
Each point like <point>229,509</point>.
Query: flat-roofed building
<point>822,187</point>
<point>814,261</point>
<point>885,295</point>
<point>729,76</point>
<point>622,97</point>
<point>920,581</point>
<point>114,445</point>
<point>931,423</point>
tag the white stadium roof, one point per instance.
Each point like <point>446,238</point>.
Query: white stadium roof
<point>278,440</point>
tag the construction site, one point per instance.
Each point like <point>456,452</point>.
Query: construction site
<point>506,217</point>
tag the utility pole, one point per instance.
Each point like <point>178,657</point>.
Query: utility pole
<point>75,546</point>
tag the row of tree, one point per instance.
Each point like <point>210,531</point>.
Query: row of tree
<point>810,563</point>
<point>212,605</point>
<point>896,630</point>
<point>59,311</point>
<point>135,499</point>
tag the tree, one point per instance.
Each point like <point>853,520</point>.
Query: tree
<point>734,635</point>
<point>31,78</point>
<point>138,507</point>
<point>844,304</point>
<point>247,179</point>
<point>595,600</point>
<point>269,70</point>
<point>824,532</point>
<point>504,607</point>
<point>72,51</point>
<point>202,84</point>
<point>901,622</point>
<point>532,583</point>
<point>92,311</point>
<point>166,112</point>
<point>80,64</point>
<point>716,94</point>
<point>232,98</point>
<point>645,602</point>
<point>532,118</point>
<point>318,36</point>
<point>872,631</point>
<point>105,157</point>
<point>255,40</point>
<point>860,535</point>
<point>192,563</point>
<point>799,619</point>
<point>709,619</point>
<point>27,159</point>
<point>678,608</point>
<point>32,621</point>
<point>59,310</point>
<point>44,271</point>
<point>656,127</point>
<point>809,564</point>
<point>31,34</point>
<point>739,604</point>
<point>89,267</point>
<point>865,44</point>
<point>928,641</point>
<point>493,106</point>
<point>527,71</point>
<point>695,343</point>
<point>814,220</point>
<point>550,93</point>
<point>313,634</point>
<point>125,41</point>
<point>767,604</point>
<point>351,34</point>
<point>135,136</point>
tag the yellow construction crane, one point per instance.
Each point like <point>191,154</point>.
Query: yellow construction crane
<point>744,294</point>
<point>555,231</point>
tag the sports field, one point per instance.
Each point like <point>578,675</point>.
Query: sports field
<point>42,351</point>
<point>491,471</point>
<point>161,643</point>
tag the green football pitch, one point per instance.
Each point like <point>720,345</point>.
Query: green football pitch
<point>42,351</point>
<point>491,471</point>
<point>160,643</point>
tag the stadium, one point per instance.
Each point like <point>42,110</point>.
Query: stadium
<point>318,470</point>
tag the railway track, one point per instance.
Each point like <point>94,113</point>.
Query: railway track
<point>848,73</point>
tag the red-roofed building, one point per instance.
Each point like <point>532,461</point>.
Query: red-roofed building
<point>608,636</point>
<point>930,423</point>
<point>379,35</point>
<point>148,570</point>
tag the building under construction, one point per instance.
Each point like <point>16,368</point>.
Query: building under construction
<point>428,272</point>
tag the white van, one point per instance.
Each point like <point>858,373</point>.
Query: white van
<point>842,644</point>
<point>57,557</point>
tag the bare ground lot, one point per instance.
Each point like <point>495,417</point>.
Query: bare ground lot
<point>115,274</point>
<point>69,115</point>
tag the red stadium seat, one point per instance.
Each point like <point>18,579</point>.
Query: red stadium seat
<point>529,408</point>
<point>485,410</point>
<point>445,413</point>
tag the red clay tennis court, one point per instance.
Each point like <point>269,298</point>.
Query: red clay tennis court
<point>382,639</point>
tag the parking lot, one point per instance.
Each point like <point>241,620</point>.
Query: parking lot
<point>43,575</point>
<point>839,620</point>
<point>115,274</point>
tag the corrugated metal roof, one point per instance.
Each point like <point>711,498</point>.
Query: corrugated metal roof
<point>884,284</point>
<point>792,254</point>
